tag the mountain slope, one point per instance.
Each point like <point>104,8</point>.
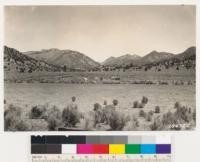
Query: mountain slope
<point>185,59</point>
<point>188,53</point>
<point>122,60</point>
<point>69,58</point>
<point>155,56</point>
<point>15,61</point>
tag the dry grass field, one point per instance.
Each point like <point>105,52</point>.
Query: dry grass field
<point>46,96</point>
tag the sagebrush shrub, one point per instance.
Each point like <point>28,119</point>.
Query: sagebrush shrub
<point>107,112</point>
<point>39,125</point>
<point>148,117</point>
<point>85,124</point>
<point>177,105</point>
<point>115,102</point>
<point>70,117</point>
<point>180,116</point>
<point>54,118</point>
<point>23,125</point>
<point>117,121</point>
<point>182,113</point>
<point>132,124</point>
<point>97,106</point>
<point>151,112</point>
<point>157,109</point>
<point>10,116</point>
<point>168,118</point>
<point>135,104</point>
<point>142,114</point>
<point>156,125</point>
<point>38,112</point>
<point>136,121</point>
<point>14,121</point>
<point>144,100</point>
<point>99,116</point>
<point>190,111</point>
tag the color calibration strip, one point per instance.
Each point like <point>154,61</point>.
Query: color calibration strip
<point>115,145</point>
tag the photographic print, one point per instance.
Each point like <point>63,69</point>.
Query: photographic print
<point>99,68</point>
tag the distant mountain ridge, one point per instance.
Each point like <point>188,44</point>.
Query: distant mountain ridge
<point>155,56</point>
<point>70,59</point>
<point>15,61</point>
<point>125,59</point>
<point>152,57</point>
<point>190,52</point>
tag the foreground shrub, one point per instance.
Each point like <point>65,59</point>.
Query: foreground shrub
<point>38,112</point>
<point>177,105</point>
<point>183,114</point>
<point>70,117</point>
<point>190,111</point>
<point>144,100</point>
<point>87,121</point>
<point>156,125</point>
<point>115,102</point>
<point>14,121</point>
<point>85,124</point>
<point>151,112</point>
<point>107,113</point>
<point>39,125</point>
<point>168,118</point>
<point>176,120</point>
<point>131,124</point>
<point>97,106</point>
<point>99,116</point>
<point>149,117</point>
<point>135,104</point>
<point>157,109</point>
<point>142,114</point>
<point>54,118</point>
<point>136,121</point>
<point>23,125</point>
<point>117,121</point>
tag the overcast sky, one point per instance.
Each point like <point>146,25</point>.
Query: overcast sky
<point>101,31</point>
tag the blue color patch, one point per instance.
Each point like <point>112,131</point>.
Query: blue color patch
<point>148,149</point>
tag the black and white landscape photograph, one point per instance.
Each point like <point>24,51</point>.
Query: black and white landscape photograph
<point>100,68</point>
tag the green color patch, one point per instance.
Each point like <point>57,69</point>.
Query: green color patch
<point>132,149</point>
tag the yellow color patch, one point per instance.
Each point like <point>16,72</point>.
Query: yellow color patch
<point>116,149</point>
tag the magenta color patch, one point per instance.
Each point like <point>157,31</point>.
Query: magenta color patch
<point>84,149</point>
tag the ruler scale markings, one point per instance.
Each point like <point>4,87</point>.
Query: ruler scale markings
<point>100,148</point>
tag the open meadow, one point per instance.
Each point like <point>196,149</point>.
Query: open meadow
<point>135,110</point>
<point>30,94</point>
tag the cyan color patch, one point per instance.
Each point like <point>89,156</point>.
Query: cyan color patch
<point>148,149</point>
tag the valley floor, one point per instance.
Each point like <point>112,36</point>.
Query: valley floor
<point>40,106</point>
<point>171,76</point>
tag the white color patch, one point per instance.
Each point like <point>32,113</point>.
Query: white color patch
<point>69,149</point>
